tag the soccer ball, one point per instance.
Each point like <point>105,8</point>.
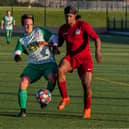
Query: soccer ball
<point>43,96</point>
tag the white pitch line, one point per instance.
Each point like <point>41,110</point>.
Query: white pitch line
<point>113,82</point>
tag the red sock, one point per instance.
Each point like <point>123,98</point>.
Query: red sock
<point>62,88</point>
<point>88,102</point>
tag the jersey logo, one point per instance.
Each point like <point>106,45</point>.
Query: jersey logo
<point>77,32</point>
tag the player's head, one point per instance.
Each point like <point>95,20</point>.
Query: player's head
<point>71,14</point>
<point>26,16</point>
<point>8,12</point>
<point>27,20</point>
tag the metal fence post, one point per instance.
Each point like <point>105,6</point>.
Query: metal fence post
<point>78,5</point>
<point>44,12</point>
<point>12,7</point>
<point>114,23</point>
<point>107,17</point>
<point>122,25</point>
<point>126,11</point>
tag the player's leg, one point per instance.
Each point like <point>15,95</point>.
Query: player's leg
<point>29,75</point>
<point>7,36</point>
<point>50,73</point>
<point>22,95</point>
<point>85,73</point>
<point>86,82</point>
<point>10,34</point>
<point>51,81</point>
<point>64,67</point>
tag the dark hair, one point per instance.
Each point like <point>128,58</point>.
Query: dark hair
<point>8,11</point>
<point>26,16</point>
<point>78,17</point>
<point>73,10</point>
<point>70,9</point>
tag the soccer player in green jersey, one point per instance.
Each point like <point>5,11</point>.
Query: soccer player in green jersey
<point>7,23</point>
<point>36,43</point>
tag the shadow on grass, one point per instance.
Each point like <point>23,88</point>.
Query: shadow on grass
<point>45,114</point>
<point>7,93</point>
<point>73,116</point>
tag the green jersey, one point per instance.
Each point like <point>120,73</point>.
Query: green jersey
<point>8,22</point>
<point>28,43</point>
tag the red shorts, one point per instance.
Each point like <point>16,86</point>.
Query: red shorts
<point>83,64</point>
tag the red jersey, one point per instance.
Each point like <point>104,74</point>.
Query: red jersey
<point>77,38</point>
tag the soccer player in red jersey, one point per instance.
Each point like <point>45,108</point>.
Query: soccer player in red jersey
<point>76,34</point>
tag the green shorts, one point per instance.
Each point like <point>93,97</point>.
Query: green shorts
<point>8,32</point>
<point>36,71</point>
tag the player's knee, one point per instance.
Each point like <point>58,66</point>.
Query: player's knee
<point>86,85</point>
<point>52,78</point>
<point>24,83</point>
<point>52,81</point>
<point>88,92</point>
<point>61,71</point>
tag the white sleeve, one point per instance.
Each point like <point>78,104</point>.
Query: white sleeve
<point>17,52</point>
<point>54,40</point>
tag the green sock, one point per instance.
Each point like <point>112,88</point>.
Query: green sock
<point>8,39</point>
<point>50,87</point>
<point>22,98</point>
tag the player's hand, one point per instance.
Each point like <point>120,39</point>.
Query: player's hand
<point>43,43</point>
<point>17,58</point>
<point>98,57</point>
<point>55,50</point>
<point>39,44</point>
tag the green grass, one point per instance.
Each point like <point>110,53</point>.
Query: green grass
<point>55,17</point>
<point>110,85</point>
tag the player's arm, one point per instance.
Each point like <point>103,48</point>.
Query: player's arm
<point>50,44</point>
<point>58,42</point>
<point>51,39</point>
<point>54,41</point>
<point>2,24</point>
<point>98,54</point>
<point>18,51</point>
<point>14,22</point>
<point>60,37</point>
<point>92,34</point>
<point>43,43</point>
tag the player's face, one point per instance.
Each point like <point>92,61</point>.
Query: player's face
<point>28,24</point>
<point>70,18</point>
<point>9,13</point>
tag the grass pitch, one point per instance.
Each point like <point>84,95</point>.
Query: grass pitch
<point>110,85</point>
<point>54,17</point>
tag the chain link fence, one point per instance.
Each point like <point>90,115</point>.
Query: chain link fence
<point>116,10</point>
<point>81,4</point>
